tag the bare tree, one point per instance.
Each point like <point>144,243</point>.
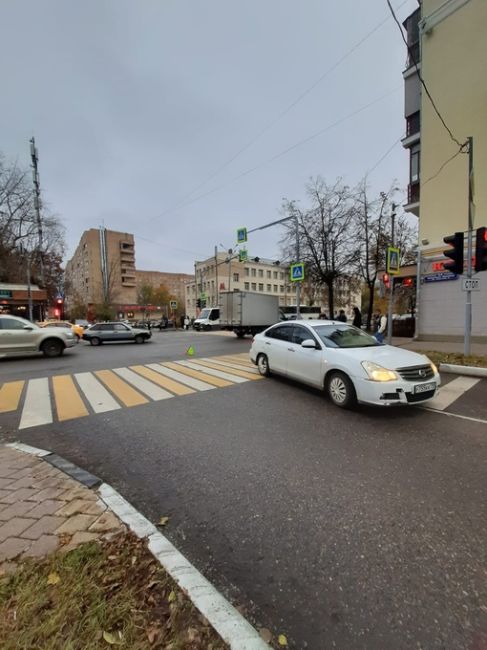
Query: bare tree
<point>325,228</point>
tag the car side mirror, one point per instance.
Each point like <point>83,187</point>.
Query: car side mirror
<point>28,327</point>
<point>309,343</point>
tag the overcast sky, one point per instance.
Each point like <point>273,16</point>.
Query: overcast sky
<point>136,104</point>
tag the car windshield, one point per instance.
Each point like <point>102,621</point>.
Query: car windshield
<point>344,336</point>
<point>205,313</point>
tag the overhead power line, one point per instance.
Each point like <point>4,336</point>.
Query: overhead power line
<point>384,156</point>
<point>280,116</point>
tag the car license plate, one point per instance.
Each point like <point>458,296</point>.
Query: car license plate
<point>424,388</point>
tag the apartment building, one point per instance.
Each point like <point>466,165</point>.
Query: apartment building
<point>175,283</point>
<point>261,276</point>
<point>448,48</point>
<point>102,269</point>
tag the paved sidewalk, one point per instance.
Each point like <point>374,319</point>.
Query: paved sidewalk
<point>42,509</point>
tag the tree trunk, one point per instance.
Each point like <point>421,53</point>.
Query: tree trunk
<point>331,301</point>
<point>371,305</point>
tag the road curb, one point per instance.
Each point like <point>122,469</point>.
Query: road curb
<point>468,371</point>
<point>233,628</point>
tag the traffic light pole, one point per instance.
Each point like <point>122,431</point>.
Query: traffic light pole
<point>468,303</point>
<point>391,291</point>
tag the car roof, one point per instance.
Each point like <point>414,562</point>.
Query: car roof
<point>312,322</point>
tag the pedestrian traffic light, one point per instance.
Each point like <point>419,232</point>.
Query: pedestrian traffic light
<point>386,279</point>
<point>407,282</point>
<point>455,253</point>
<point>481,249</point>
<point>198,303</point>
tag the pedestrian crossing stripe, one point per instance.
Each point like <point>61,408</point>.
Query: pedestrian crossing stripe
<point>61,398</point>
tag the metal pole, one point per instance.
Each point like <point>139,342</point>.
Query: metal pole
<point>391,279</point>
<point>29,291</point>
<point>216,278</point>
<point>418,293</point>
<point>298,284</point>
<point>468,304</point>
<point>37,193</point>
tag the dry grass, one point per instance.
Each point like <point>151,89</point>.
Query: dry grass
<point>456,359</point>
<point>108,595</point>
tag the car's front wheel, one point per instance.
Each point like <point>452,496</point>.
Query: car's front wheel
<point>52,348</point>
<point>263,365</point>
<point>140,338</point>
<point>341,390</point>
<point>95,341</point>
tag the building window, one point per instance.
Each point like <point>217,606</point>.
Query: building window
<point>247,271</point>
<point>275,275</point>
<point>269,287</point>
<point>282,276</point>
<point>288,288</point>
<point>281,288</point>
<point>275,288</point>
<point>268,275</point>
<point>414,168</point>
<point>261,287</point>
<point>247,286</point>
<point>254,286</point>
<point>235,277</point>
<point>254,273</point>
<point>261,273</point>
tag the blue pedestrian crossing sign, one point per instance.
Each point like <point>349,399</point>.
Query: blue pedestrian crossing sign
<point>296,272</point>
<point>241,235</point>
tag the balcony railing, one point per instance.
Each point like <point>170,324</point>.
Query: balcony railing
<point>413,193</point>
<point>413,124</point>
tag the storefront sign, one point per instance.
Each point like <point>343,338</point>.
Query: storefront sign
<point>440,277</point>
<point>5,293</point>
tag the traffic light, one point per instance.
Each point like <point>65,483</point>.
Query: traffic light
<point>408,282</point>
<point>198,303</point>
<point>386,279</point>
<point>481,249</point>
<point>455,253</point>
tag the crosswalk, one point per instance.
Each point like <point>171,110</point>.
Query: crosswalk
<point>65,397</point>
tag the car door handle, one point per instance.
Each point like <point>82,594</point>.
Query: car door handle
<point>267,343</point>
<point>291,350</point>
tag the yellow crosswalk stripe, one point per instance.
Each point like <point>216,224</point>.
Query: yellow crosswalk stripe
<point>164,382</point>
<point>230,371</point>
<point>241,361</point>
<point>10,396</point>
<point>215,381</point>
<point>69,404</point>
<point>122,391</point>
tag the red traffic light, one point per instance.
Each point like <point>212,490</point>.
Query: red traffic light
<point>57,313</point>
<point>386,279</point>
<point>59,301</point>
<point>481,249</point>
<point>455,253</point>
<point>407,282</point>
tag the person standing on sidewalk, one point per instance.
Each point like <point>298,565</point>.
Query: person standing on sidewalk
<point>381,326</point>
<point>357,318</point>
<point>186,323</point>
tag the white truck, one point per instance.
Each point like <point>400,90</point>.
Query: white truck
<point>207,319</point>
<point>245,312</point>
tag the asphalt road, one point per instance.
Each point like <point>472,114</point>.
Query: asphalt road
<point>354,530</point>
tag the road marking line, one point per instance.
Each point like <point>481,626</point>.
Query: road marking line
<point>69,404</point>
<point>211,371</point>
<point>236,365</point>
<point>145,386</point>
<point>97,395</point>
<point>37,405</point>
<point>452,415</point>
<point>450,392</point>
<point>229,368</point>
<point>153,371</point>
<point>10,396</point>
<point>245,363</point>
<point>122,391</point>
<point>198,374</point>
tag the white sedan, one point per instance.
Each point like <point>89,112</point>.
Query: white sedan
<point>348,363</point>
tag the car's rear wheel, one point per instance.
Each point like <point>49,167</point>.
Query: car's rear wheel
<point>263,365</point>
<point>240,334</point>
<point>341,390</point>
<point>95,341</point>
<point>52,348</point>
<point>140,338</point>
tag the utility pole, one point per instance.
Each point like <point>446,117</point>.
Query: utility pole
<point>37,205</point>
<point>298,284</point>
<point>391,278</point>
<point>216,278</point>
<point>468,303</point>
<point>418,291</point>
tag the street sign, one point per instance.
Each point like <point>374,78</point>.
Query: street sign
<point>173,304</point>
<point>203,296</point>
<point>440,277</point>
<point>242,255</point>
<point>470,284</point>
<point>241,235</point>
<point>296,272</point>
<point>393,260</point>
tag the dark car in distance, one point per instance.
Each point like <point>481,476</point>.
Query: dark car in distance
<point>114,331</point>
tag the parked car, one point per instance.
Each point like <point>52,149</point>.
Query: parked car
<point>115,331</point>
<point>76,329</point>
<point>350,365</point>
<point>19,336</point>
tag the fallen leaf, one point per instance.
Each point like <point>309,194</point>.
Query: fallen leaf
<point>152,634</point>
<point>192,634</point>
<point>163,521</point>
<point>265,634</point>
<point>281,639</point>
<point>172,597</point>
<point>113,639</point>
<point>53,578</point>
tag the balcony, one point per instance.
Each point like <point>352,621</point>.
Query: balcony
<point>413,134</point>
<point>414,55</point>
<point>413,199</point>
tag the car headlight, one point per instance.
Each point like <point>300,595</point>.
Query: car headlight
<point>378,373</point>
<point>434,367</point>
<point>70,335</point>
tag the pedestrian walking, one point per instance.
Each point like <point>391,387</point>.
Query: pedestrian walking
<point>186,322</point>
<point>381,324</point>
<point>341,316</point>
<point>357,318</point>
<point>322,316</point>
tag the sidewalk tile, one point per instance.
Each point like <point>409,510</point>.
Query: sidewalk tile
<point>48,482</point>
<point>12,547</point>
<point>24,494</point>
<point>79,492</point>
<point>48,493</point>
<point>5,482</point>
<point>44,526</point>
<point>6,472</point>
<point>43,546</point>
<point>14,527</point>
<point>17,510</point>
<point>25,481</point>
<point>75,524</point>
<point>107,521</point>
<point>80,506</point>
<point>80,538</point>
<point>49,507</point>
